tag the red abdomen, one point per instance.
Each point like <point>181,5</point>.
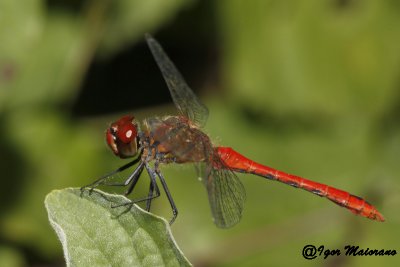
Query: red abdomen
<point>355,204</point>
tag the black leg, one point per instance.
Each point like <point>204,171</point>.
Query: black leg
<point>135,178</point>
<point>153,184</point>
<point>104,177</point>
<point>134,201</point>
<point>148,202</point>
<point>170,199</point>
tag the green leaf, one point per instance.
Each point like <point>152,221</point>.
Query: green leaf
<point>93,233</point>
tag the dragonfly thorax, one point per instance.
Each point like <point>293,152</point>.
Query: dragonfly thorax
<point>176,140</point>
<point>122,137</point>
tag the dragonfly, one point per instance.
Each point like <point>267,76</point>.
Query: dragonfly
<point>180,139</point>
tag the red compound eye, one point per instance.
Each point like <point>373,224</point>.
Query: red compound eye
<point>125,129</point>
<point>121,137</point>
<point>110,138</point>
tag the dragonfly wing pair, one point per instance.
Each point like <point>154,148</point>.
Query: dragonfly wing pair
<point>226,193</point>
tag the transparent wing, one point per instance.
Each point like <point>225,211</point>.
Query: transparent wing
<point>185,100</point>
<point>226,193</point>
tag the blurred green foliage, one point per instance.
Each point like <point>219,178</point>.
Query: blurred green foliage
<point>310,87</point>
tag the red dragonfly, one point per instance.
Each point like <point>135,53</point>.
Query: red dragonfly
<point>179,139</point>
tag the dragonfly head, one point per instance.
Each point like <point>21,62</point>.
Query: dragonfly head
<point>122,137</point>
